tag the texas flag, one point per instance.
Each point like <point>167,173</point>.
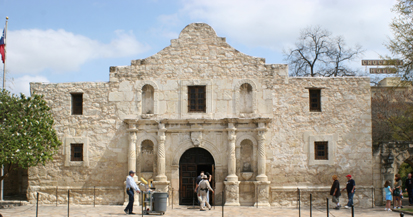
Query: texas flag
<point>2,48</point>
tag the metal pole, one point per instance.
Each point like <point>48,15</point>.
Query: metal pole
<point>142,201</point>
<point>299,202</point>
<point>328,208</point>
<point>372,200</point>
<point>56,195</point>
<point>68,199</point>
<point>352,211</point>
<point>37,204</point>
<point>2,183</point>
<point>94,196</point>
<point>223,192</point>
<point>193,191</point>
<point>311,205</point>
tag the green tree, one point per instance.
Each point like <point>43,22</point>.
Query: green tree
<point>27,137</point>
<point>401,46</point>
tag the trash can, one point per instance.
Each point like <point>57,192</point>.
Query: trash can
<point>159,201</point>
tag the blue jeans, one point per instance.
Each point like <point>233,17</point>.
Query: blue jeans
<point>129,207</point>
<point>350,199</point>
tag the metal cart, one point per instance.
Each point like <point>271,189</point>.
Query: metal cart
<point>154,202</point>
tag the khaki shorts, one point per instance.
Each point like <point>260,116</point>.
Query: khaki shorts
<point>336,199</point>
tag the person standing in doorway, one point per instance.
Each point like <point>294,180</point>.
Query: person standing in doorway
<point>351,188</point>
<point>409,188</point>
<point>203,192</point>
<point>198,180</point>
<point>130,187</point>
<point>335,192</point>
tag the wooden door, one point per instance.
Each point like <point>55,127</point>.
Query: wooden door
<point>191,161</point>
<point>187,175</point>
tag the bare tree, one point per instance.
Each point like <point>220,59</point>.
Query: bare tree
<point>338,55</point>
<point>317,53</point>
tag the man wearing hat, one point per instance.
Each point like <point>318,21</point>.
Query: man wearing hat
<point>351,188</point>
<point>203,192</point>
<point>130,186</point>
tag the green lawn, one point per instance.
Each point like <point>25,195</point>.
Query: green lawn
<point>406,209</point>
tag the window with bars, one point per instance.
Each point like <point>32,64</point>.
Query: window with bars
<point>77,103</point>
<point>321,150</point>
<point>196,98</point>
<point>315,100</point>
<point>76,152</point>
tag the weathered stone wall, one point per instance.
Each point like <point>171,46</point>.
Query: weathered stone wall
<point>199,57</point>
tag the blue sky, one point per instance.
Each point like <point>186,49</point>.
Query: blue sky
<point>78,40</point>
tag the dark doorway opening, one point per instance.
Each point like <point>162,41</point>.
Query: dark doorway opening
<point>16,183</point>
<point>192,162</point>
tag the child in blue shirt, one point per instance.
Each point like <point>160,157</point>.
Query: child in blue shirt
<point>389,197</point>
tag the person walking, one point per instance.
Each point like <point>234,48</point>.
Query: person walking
<point>409,188</point>
<point>203,191</point>
<point>335,192</point>
<point>130,186</point>
<point>397,191</point>
<point>351,188</point>
<point>389,198</point>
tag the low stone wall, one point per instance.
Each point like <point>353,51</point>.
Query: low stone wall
<point>82,196</point>
<point>288,196</point>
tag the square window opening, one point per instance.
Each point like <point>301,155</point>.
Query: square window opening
<point>321,150</point>
<point>197,99</point>
<point>76,152</point>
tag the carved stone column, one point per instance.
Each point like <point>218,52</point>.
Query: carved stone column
<point>262,185</point>
<point>132,151</point>
<point>161,153</point>
<point>161,184</point>
<point>232,183</point>
<point>261,153</point>
<point>231,154</point>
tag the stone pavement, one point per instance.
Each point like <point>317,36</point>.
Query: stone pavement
<point>90,211</point>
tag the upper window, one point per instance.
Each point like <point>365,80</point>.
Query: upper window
<point>321,150</point>
<point>77,103</point>
<point>76,152</point>
<point>315,100</point>
<point>196,99</point>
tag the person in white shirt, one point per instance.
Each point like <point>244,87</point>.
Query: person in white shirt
<point>130,186</point>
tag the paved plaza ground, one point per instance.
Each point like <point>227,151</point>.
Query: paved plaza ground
<point>90,211</point>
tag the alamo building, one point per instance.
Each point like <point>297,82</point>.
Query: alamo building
<point>201,105</point>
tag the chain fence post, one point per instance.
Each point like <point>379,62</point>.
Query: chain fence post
<point>328,208</point>
<point>311,205</point>
<point>94,196</point>
<point>299,202</point>
<point>56,195</point>
<point>68,202</point>
<point>37,204</point>
<point>352,211</point>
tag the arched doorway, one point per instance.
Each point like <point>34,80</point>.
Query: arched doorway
<point>191,163</point>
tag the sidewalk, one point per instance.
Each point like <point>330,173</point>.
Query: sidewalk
<point>90,211</point>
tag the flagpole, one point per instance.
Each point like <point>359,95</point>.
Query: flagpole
<point>4,87</point>
<point>4,64</point>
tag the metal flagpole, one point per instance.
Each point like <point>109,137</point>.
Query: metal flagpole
<point>4,64</point>
<point>4,87</point>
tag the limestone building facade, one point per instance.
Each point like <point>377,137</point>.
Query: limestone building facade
<point>200,104</point>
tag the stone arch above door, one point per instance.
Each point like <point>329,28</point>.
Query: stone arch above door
<point>211,148</point>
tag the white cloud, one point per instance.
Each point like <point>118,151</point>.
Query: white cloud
<point>276,24</point>
<point>33,51</point>
<point>22,84</point>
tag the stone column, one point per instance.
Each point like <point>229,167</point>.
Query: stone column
<point>232,183</point>
<point>262,185</point>
<point>132,151</point>
<point>161,183</point>
<point>132,159</point>
<point>261,153</point>
<point>231,153</point>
